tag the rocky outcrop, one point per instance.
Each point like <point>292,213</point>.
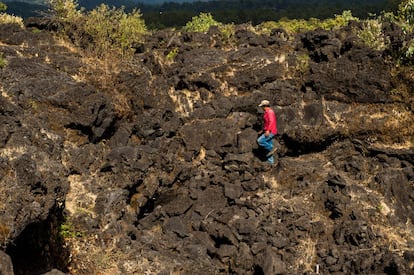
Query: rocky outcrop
<point>153,167</point>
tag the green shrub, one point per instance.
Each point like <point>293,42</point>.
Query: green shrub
<point>3,7</point>
<point>293,26</point>
<point>108,30</point>
<point>36,30</point>
<point>302,64</point>
<point>9,19</point>
<point>172,54</point>
<point>67,231</point>
<point>408,53</point>
<point>372,35</point>
<point>227,32</point>
<point>65,10</point>
<point>201,23</point>
<point>112,29</point>
<point>406,14</point>
<point>388,17</point>
<point>405,19</point>
<point>338,21</point>
<point>3,61</point>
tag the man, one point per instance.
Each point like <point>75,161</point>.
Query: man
<point>269,131</point>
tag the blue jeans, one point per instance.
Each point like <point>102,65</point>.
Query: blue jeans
<point>267,143</point>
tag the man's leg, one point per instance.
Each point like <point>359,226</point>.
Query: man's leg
<point>267,143</point>
<point>274,149</point>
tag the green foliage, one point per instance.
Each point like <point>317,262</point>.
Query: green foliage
<point>201,23</point>
<point>379,208</point>
<point>3,61</point>
<point>109,30</point>
<point>302,64</point>
<point>66,230</point>
<point>256,12</point>
<point>372,35</point>
<point>409,53</point>
<point>3,7</point>
<point>65,10</point>
<point>36,30</point>
<point>388,17</point>
<point>172,54</point>
<point>406,14</point>
<point>227,32</point>
<point>9,19</point>
<point>404,17</point>
<point>294,26</point>
<point>339,21</point>
<point>291,26</point>
<point>112,29</point>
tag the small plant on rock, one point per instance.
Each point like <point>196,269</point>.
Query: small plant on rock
<point>3,61</point>
<point>227,33</point>
<point>66,230</point>
<point>302,63</point>
<point>172,54</point>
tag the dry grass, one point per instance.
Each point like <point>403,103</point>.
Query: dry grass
<point>13,153</point>
<point>306,256</point>
<point>94,255</point>
<point>183,100</point>
<point>6,222</point>
<point>101,73</point>
<point>78,197</point>
<point>398,238</point>
<point>378,118</point>
<point>63,42</point>
<point>4,234</point>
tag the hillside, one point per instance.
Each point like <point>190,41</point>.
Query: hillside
<point>164,14</point>
<point>151,166</point>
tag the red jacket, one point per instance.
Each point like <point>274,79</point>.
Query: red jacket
<point>270,122</point>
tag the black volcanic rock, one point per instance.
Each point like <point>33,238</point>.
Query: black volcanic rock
<point>153,167</point>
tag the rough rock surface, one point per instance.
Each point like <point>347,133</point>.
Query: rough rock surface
<point>152,167</point>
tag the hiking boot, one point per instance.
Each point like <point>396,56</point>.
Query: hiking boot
<point>271,160</point>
